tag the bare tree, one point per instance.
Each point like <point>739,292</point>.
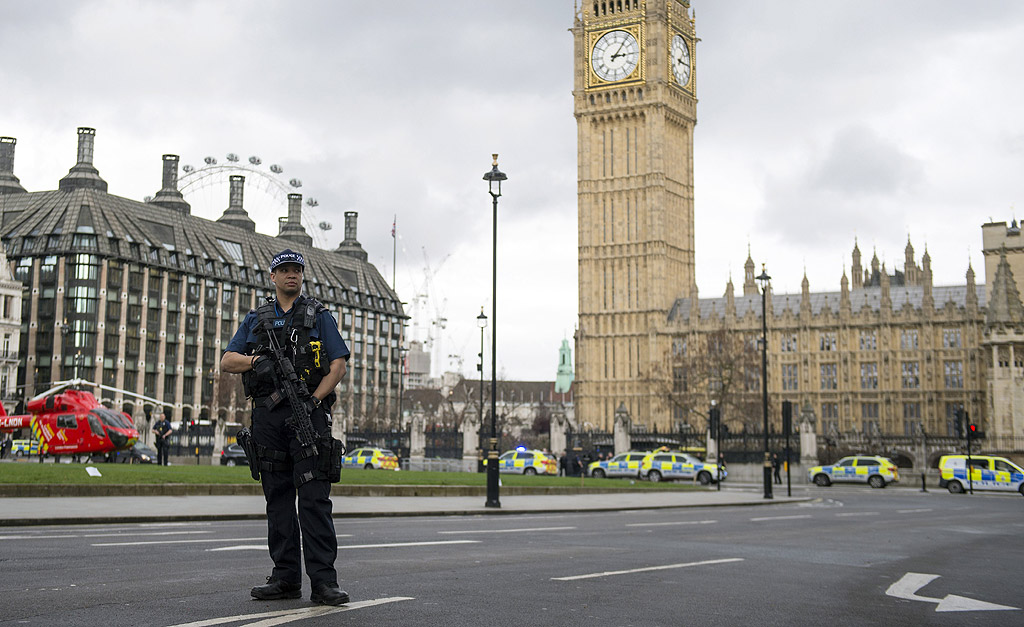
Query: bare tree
<point>721,366</point>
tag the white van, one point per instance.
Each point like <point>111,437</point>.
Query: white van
<point>987,473</point>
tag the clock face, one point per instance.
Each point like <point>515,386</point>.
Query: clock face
<point>680,52</point>
<point>616,55</point>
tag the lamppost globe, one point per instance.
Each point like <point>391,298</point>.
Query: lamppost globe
<point>763,279</point>
<point>481,320</point>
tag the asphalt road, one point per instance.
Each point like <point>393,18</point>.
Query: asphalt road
<point>854,556</point>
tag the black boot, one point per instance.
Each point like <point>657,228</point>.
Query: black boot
<point>277,589</point>
<point>329,594</point>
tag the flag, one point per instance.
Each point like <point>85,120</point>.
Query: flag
<point>393,223</point>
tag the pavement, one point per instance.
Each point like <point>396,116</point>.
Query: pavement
<point>67,510</point>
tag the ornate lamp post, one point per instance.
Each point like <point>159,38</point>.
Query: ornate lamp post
<point>481,321</point>
<point>763,279</point>
<point>494,177</point>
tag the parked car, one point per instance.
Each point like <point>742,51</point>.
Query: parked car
<point>875,471</point>
<point>370,458</point>
<point>661,465</point>
<point>22,448</point>
<point>987,473</point>
<point>622,465</point>
<point>527,462</point>
<point>233,455</point>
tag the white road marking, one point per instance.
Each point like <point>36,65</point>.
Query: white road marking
<point>104,535</point>
<point>509,530</point>
<point>611,573</point>
<point>909,584</point>
<point>678,522</point>
<point>281,617</point>
<point>848,514</point>
<point>143,542</point>
<point>794,517</point>
<point>912,511</point>
<point>263,547</point>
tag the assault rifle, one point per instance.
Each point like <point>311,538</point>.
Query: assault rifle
<point>292,388</point>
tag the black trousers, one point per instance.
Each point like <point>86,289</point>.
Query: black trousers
<point>313,525</point>
<point>161,452</point>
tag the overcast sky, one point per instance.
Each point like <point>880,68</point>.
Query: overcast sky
<point>818,122</point>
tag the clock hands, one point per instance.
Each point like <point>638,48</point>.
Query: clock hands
<point>618,52</point>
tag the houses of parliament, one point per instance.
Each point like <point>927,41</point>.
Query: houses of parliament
<point>888,353</point>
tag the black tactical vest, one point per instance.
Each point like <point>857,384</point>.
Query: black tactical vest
<point>306,354</point>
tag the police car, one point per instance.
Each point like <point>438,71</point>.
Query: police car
<point>987,473</point>
<point>370,458</point>
<point>526,462</point>
<point>664,465</point>
<point>875,471</point>
<point>622,465</point>
<point>20,448</point>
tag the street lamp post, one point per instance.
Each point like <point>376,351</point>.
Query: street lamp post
<point>763,279</point>
<point>494,177</point>
<point>402,352</point>
<point>481,321</point>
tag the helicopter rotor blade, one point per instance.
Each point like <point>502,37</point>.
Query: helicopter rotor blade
<point>63,385</point>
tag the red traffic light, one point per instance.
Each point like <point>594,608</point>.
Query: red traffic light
<point>973,428</point>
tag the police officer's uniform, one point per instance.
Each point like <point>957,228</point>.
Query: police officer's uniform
<point>162,427</point>
<point>309,336</point>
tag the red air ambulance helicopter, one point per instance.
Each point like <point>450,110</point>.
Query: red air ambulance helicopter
<point>72,422</point>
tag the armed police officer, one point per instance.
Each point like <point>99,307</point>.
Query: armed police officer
<point>293,339</point>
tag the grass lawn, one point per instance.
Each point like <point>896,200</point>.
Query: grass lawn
<point>36,473</point>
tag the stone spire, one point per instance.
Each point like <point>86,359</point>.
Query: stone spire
<point>169,197</point>
<point>886,304</point>
<point>972,290</point>
<point>749,285</point>
<point>9,184</point>
<point>856,269</point>
<point>291,228</point>
<point>927,300</point>
<point>805,296</point>
<point>235,214</point>
<point>1004,305</point>
<point>730,299</point>
<point>83,175</point>
<point>844,294</point>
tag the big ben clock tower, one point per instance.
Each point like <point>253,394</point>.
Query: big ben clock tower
<point>635,106</point>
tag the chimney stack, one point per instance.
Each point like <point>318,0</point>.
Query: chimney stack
<point>84,175</point>
<point>9,184</point>
<point>291,229</point>
<point>235,214</point>
<point>350,245</point>
<point>169,197</point>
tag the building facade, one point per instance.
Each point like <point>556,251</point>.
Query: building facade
<point>634,95</point>
<point>143,296</point>
<point>886,354</point>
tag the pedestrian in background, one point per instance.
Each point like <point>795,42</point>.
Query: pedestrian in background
<point>776,467</point>
<point>162,430</point>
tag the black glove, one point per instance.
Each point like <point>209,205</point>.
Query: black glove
<point>263,366</point>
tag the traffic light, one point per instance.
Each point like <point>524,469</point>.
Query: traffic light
<point>972,431</point>
<point>714,420</point>
<point>787,417</point>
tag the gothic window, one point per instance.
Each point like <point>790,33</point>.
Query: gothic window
<point>828,341</point>
<point>911,418</point>
<point>790,377</point>
<point>828,376</point>
<point>869,376</point>
<point>908,339</point>
<point>951,338</point>
<point>789,344</point>
<point>911,378</point>
<point>868,341</point>
<point>954,374</point>
<point>951,413</point>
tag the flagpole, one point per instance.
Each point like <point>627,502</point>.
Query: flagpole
<point>394,252</point>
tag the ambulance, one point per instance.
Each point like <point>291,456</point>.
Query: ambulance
<point>987,473</point>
